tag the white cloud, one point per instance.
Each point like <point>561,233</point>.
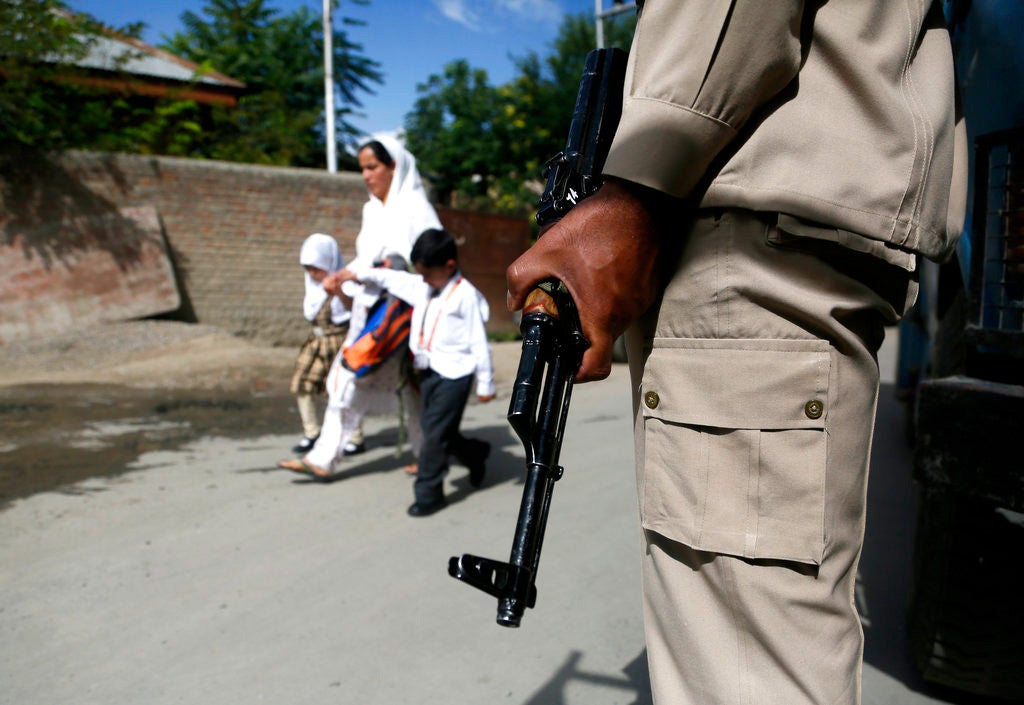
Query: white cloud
<point>477,14</point>
<point>532,9</point>
<point>457,11</point>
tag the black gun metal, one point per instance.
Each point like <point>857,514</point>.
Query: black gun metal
<point>553,345</point>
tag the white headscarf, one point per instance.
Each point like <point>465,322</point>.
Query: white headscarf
<point>321,251</point>
<point>394,224</point>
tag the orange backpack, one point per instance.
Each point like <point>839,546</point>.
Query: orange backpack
<point>386,331</point>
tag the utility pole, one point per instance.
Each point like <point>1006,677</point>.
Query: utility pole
<point>618,6</point>
<point>329,137</point>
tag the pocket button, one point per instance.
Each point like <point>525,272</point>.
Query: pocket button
<point>651,399</point>
<point>814,409</point>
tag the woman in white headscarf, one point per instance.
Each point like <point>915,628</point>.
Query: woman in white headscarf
<point>398,210</point>
<point>329,318</point>
<point>396,214</point>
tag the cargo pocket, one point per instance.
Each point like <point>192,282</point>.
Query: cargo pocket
<point>735,446</point>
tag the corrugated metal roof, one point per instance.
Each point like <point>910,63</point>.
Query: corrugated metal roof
<point>124,54</point>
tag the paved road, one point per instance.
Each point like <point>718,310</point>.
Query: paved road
<point>207,576</point>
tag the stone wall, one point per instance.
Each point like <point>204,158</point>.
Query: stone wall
<point>232,231</point>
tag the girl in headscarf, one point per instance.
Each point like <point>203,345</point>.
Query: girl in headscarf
<point>329,319</point>
<point>353,394</point>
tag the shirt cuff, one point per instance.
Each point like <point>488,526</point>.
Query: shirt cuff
<point>485,387</point>
<point>351,289</point>
<point>664,146</point>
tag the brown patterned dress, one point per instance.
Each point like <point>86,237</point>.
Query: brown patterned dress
<point>318,352</point>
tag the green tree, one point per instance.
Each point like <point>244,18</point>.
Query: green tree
<point>485,147</point>
<point>33,30</point>
<point>47,102</point>
<point>41,94</point>
<point>559,72</point>
<point>280,59</point>
<point>452,132</point>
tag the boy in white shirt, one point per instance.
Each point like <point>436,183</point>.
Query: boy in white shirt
<point>449,347</point>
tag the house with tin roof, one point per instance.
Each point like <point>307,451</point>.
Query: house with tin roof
<point>126,64</point>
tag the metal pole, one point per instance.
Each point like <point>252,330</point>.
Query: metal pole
<point>600,13</point>
<point>329,137</point>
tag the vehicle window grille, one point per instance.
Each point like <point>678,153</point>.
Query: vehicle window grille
<point>998,236</point>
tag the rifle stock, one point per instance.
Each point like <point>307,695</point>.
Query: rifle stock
<point>553,346</point>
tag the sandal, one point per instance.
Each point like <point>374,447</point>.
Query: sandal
<point>302,467</point>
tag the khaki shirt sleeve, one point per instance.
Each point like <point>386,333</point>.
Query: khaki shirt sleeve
<point>697,71</point>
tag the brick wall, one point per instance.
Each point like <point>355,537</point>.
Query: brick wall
<point>487,245</point>
<point>233,232</point>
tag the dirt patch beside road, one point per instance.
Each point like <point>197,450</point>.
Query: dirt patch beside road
<point>149,355</point>
<point>90,403</point>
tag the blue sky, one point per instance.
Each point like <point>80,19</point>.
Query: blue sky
<point>411,39</point>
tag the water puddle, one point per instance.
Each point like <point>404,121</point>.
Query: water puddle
<point>52,436</point>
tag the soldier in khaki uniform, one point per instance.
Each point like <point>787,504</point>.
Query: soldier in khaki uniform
<point>777,170</point>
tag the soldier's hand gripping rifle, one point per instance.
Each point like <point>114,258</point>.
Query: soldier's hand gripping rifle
<point>553,345</point>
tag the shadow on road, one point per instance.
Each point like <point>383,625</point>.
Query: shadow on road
<point>634,681</point>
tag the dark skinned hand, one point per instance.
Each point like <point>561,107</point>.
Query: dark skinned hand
<point>605,251</point>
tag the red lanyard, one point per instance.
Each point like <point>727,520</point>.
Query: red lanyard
<point>437,318</point>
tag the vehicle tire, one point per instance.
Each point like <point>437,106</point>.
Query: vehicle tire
<point>965,616</point>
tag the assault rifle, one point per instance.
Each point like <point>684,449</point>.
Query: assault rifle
<point>553,345</point>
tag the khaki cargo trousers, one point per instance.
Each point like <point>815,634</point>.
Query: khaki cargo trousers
<point>755,386</point>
